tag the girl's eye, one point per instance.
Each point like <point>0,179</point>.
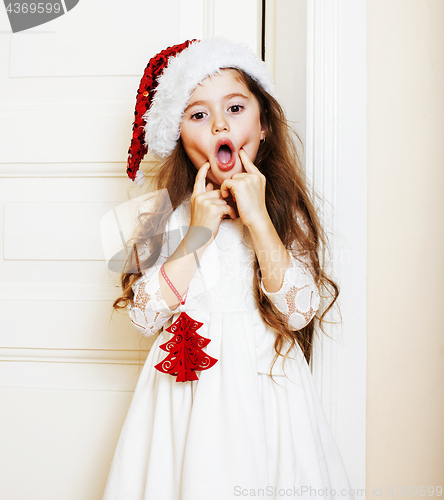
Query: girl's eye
<point>236,108</point>
<point>198,116</point>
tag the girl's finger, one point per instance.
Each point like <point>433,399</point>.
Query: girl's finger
<point>228,210</point>
<point>215,201</point>
<point>209,187</point>
<point>249,166</point>
<point>228,186</point>
<point>210,194</point>
<point>199,183</point>
<point>225,188</point>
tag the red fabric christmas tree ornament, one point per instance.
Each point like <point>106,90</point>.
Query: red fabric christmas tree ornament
<point>185,354</point>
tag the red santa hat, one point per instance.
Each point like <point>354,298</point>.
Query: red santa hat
<point>166,87</point>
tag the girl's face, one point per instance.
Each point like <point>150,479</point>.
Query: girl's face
<point>222,117</point>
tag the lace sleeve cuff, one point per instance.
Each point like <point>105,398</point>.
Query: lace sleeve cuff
<point>148,311</point>
<point>298,298</point>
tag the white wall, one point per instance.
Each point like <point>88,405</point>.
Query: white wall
<point>405,433</point>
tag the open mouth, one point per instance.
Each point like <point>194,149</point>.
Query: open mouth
<point>225,156</point>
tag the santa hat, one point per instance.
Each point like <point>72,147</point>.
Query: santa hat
<point>166,87</point>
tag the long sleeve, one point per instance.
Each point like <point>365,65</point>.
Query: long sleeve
<point>298,298</point>
<point>149,312</point>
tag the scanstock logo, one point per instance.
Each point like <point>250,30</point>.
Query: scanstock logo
<point>25,14</point>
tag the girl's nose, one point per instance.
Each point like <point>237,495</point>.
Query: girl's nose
<point>220,125</point>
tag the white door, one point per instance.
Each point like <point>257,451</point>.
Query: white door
<point>67,367</point>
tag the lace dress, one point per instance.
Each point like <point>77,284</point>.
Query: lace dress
<point>235,431</point>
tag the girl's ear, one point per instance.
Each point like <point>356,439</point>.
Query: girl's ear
<point>264,127</point>
<point>263,133</point>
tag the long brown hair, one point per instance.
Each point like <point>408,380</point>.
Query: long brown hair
<point>289,205</point>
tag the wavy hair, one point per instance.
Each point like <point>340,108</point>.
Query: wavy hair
<point>289,205</point>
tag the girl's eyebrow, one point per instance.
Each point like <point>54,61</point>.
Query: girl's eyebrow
<point>200,103</point>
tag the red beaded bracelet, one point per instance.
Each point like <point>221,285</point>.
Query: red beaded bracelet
<point>176,293</point>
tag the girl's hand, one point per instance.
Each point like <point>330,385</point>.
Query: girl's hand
<point>207,205</point>
<point>248,189</point>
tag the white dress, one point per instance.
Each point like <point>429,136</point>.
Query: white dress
<point>235,432</point>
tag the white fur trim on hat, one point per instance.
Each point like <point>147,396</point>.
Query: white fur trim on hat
<point>182,75</point>
<point>140,178</point>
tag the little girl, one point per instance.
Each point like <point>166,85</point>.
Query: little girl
<point>225,405</point>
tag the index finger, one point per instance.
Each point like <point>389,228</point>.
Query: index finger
<point>249,166</point>
<point>199,183</point>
